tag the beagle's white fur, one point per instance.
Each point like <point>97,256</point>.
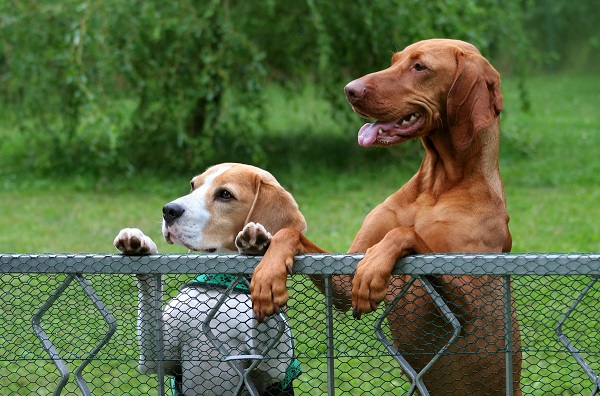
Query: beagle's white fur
<point>229,210</point>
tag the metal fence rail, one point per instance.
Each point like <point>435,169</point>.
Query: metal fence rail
<point>69,324</point>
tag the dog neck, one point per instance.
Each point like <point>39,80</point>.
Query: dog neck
<point>444,166</point>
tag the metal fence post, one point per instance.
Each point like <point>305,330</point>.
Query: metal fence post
<point>508,335</point>
<point>160,354</point>
<point>330,346</point>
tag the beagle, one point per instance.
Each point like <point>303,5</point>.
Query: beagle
<point>231,209</point>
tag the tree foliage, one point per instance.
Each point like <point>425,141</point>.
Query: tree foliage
<point>566,32</point>
<point>109,85</point>
<point>128,84</point>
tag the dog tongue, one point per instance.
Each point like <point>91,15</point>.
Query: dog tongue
<point>368,132</point>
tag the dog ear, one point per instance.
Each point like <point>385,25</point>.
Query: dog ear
<point>275,208</point>
<point>474,100</point>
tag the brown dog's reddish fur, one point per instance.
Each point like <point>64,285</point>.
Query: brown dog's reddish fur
<point>454,203</point>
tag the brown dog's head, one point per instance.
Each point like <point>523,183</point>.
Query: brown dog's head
<point>223,200</point>
<point>432,84</point>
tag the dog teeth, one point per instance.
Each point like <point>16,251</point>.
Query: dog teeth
<point>380,131</point>
<point>408,119</point>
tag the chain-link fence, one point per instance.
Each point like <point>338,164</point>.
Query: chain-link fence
<point>83,324</point>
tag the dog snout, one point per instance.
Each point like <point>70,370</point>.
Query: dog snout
<point>172,212</point>
<point>355,90</point>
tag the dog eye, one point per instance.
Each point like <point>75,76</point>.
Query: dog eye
<point>224,195</point>
<point>419,67</point>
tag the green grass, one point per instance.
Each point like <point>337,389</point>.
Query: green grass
<point>553,190</point>
<point>550,165</point>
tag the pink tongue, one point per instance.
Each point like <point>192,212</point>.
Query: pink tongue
<point>368,132</point>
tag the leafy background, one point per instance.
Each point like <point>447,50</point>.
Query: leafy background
<point>105,87</point>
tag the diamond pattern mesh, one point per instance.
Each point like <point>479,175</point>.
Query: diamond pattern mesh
<point>78,334</point>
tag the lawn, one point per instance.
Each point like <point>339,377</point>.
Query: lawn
<point>550,163</point>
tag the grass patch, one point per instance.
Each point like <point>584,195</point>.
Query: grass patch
<point>552,184</point>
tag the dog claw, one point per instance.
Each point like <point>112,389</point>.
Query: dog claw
<point>259,317</point>
<point>356,313</point>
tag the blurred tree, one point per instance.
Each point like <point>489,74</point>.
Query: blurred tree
<point>332,41</point>
<point>112,85</point>
<point>182,59</point>
<point>127,85</point>
<point>566,32</point>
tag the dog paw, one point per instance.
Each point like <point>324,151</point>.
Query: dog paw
<point>253,239</point>
<point>132,241</point>
<point>268,285</point>
<point>268,289</point>
<point>369,286</point>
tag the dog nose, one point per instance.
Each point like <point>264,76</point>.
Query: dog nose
<point>172,212</point>
<point>355,90</point>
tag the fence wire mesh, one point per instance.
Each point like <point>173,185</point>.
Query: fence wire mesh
<point>69,325</point>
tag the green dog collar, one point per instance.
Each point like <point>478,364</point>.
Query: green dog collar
<point>222,281</point>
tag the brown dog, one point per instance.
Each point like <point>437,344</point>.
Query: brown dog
<point>448,95</point>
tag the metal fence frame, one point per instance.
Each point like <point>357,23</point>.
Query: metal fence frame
<point>504,265</point>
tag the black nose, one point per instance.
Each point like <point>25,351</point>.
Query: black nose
<point>355,90</point>
<point>172,212</point>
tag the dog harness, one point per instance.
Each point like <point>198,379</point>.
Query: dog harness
<point>223,281</point>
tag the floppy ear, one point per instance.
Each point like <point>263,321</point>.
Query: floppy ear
<point>275,208</point>
<point>474,100</point>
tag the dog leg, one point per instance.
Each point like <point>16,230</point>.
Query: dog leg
<point>268,285</point>
<point>147,324</point>
<point>132,241</point>
<point>374,271</point>
<point>254,239</point>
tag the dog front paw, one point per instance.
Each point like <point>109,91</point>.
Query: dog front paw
<point>268,285</point>
<point>369,286</point>
<point>253,239</point>
<point>132,241</point>
<point>268,289</point>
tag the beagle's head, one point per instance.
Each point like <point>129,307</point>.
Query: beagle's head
<point>222,201</point>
